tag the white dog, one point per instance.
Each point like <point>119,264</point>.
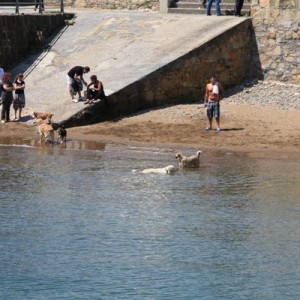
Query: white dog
<point>192,161</point>
<point>166,170</point>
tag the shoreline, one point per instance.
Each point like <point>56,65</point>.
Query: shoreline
<point>245,128</point>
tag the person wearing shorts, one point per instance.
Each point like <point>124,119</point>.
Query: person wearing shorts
<point>76,74</point>
<point>213,95</point>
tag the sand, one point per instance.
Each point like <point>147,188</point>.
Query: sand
<point>245,127</point>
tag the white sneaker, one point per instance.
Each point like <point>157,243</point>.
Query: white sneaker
<point>75,100</point>
<point>2,121</point>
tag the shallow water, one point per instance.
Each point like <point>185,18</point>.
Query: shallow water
<point>77,223</point>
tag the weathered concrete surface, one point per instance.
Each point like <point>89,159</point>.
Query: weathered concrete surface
<point>15,44</point>
<point>119,46</point>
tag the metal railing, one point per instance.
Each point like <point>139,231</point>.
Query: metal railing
<point>39,6</point>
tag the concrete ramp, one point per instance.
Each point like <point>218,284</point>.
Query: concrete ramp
<point>120,47</point>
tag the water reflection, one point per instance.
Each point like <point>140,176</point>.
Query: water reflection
<point>71,144</point>
<point>80,223</point>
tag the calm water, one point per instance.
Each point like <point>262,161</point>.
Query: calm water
<point>76,223</point>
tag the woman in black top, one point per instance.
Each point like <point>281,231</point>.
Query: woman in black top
<point>19,99</point>
<point>7,97</point>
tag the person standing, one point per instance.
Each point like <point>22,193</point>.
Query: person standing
<point>214,93</point>
<point>76,74</point>
<point>1,76</point>
<point>208,7</point>
<point>39,3</point>
<point>238,7</point>
<point>7,97</point>
<point>19,99</point>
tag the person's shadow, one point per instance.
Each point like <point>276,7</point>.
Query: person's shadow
<point>26,118</point>
<point>232,129</point>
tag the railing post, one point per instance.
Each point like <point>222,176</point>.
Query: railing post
<point>17,6</point>
<point>62,6</point>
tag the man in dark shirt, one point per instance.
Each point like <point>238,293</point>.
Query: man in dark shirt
<point>74,76</point>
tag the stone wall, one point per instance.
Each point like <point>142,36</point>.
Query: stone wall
<point>24,34</point>
<point>115,4</point>
<point>276,24</point>
<point>181,81</point>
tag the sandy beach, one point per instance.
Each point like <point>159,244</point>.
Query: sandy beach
<point>245,127</point>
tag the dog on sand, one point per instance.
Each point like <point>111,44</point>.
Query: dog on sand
<point>192,161</point>
<point>166,170</point>
<point>43,115</point>
<point>62,134</point>
<point>46,131</point>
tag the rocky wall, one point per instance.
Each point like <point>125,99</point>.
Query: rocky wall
<point>276,24</point>
<point>181,81</point>
<point>116,4</point>
<point>23,34</point>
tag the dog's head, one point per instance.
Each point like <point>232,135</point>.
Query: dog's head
<point>39,122</point>
<point>170,169</point>
<point>199,152</point>
<point>179,156</point>
<point>34,114</point>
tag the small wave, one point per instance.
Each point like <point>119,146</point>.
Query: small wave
<point>17,145</point>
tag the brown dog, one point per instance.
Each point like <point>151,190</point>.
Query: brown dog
<point>45,130</point>
<point>192,161</point>
<point>43,115</point>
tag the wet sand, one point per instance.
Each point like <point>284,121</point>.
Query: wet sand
<point>244,128</point>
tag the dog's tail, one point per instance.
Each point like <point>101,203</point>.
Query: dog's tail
<point>199,152</point>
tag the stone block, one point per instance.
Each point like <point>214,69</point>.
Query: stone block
<point>285,23</point>
<point>289,59</point>
<point>288,35</point>
<point>35,31</point>
<point>272,35</point>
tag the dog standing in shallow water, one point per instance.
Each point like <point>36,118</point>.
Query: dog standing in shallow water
<point>45,130</point>
<point>192,161</point>
<point>62,134</point>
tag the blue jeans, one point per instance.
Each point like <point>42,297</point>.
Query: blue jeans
<point>209,4</point>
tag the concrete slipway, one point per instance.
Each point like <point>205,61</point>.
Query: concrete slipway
<point>119,46</point>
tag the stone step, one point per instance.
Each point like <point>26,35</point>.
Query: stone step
<point>197,5</point>
<point>202,11</point>
<point>200,2</point>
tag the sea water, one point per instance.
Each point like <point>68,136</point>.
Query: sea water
<point>77,223</point>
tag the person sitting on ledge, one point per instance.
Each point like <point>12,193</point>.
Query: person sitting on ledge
<point>95,91</point>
